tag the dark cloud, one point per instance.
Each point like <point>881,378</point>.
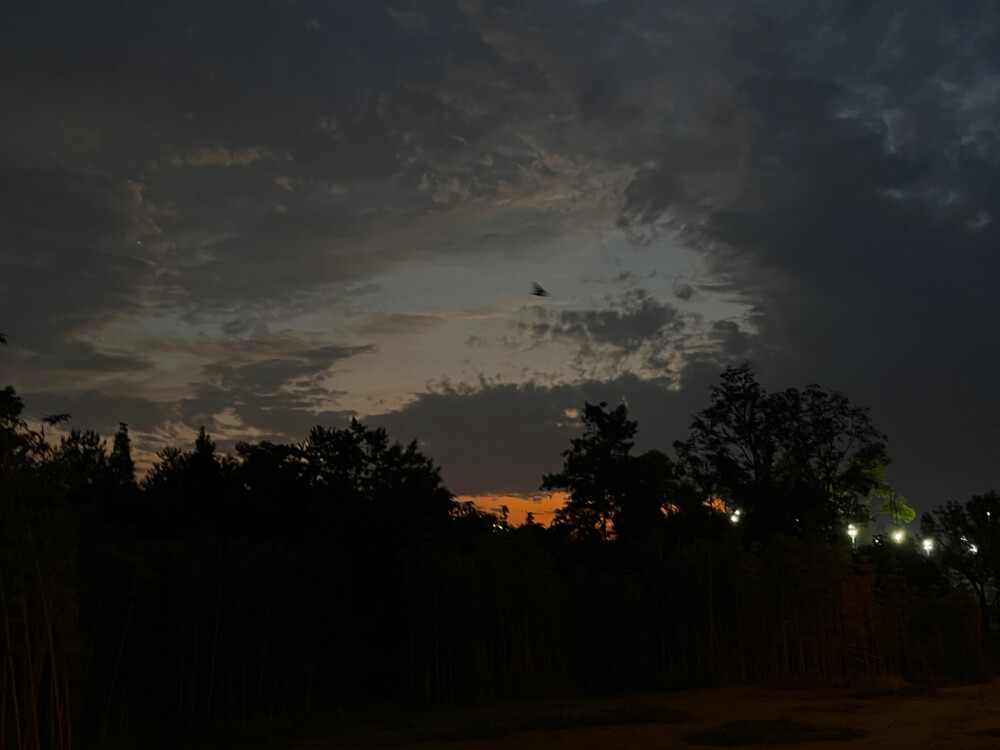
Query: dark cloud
<point>859,227</point>
<point>683,291</point>
<point>284,396</point>
<point>399,323</point>
<point>70,249</point>
<point>506,437</point>
<point>268,376</point>
<point>633,322</point>
<point>98,411</point>
<point>283,416</point>
<point>82,356</point>
<point>196,170</point>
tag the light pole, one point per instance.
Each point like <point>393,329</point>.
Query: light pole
<point>928,546</point>
<point>852,531</point>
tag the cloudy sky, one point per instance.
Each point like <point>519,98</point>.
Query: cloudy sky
<point>259,216</point>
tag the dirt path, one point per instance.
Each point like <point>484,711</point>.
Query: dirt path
<point>955,718</point>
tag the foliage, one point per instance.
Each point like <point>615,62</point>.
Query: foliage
<point>892,503</point>
<point>359,463</point>
<point>966,538</point>
<point>595,471</point>
<point>20,448</point>
<point>795,462</point>
<point>120,463</point>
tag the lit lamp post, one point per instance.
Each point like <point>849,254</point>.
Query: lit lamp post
<point>897,536</point>
<point>852,531</point>
<point>928,546</point>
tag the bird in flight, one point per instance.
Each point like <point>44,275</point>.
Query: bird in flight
<point>537,290</point>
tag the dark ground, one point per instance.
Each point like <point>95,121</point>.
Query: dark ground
<point>883,717</point>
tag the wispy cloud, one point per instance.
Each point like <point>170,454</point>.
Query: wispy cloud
<point>216,156</point>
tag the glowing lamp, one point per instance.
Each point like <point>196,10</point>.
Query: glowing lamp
<point>852,531</point>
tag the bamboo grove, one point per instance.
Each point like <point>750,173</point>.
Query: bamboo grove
<point>292,578</point>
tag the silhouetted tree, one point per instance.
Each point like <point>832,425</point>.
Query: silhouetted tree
<point>797,462</point>
<point>81,462</point>
<point>120,461</point>
<point>190,490</point>
<point>52,420</point>
<point>18,446</point>
<point>274,492</point>
<point>357,469</point>
<point>966,538</point>
<point>595,472</point>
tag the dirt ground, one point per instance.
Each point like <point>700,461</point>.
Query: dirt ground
<point>883,717</point>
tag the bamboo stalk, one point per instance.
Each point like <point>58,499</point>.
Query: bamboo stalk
<point>118,660</point>
<point>33,683</point>
<point>3,704</point>
<point>56,717</point>
<point>13,673</point>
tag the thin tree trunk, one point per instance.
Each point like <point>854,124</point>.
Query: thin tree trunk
<point>13,675</point>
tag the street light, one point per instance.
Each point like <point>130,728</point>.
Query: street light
<point>852,531</point>
<point>735,517</point>
<point>897,536</point>
<point>928,546</point>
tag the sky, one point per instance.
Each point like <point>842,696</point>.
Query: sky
<point>261,216</point>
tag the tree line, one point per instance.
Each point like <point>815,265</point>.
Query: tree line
<point>291,578</point>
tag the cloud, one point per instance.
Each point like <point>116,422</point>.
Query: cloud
<point>398,324</point>
<point>850,223</point>
<point>831,170</point>
<point>503,438</point>
<point>640,320</point>
<point>71,250</point>
<point>99,411</point>
<point>83,357</point>
<point>268,376</point>
<point>216,156</point>
<point>277,396</point>
<point>683,291</point>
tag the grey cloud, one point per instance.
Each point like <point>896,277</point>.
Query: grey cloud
<point>733,343</point>
<point>216,156</point>
<point>281,416</point>
<point>80,356</point>
<point>683,291</point>
<point>835,164</point>
<point>861,239</point>
<point>283,396</point>
<point>68,250</point>
<point>503,438</point>
<point>649,194</point>
<point>97,410</point>
<point>270,375</point>
<point>634,321</point>
<point>435,115</point>
<point>380,323</point>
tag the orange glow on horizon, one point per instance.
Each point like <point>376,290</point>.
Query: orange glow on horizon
<point>543,505</point>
